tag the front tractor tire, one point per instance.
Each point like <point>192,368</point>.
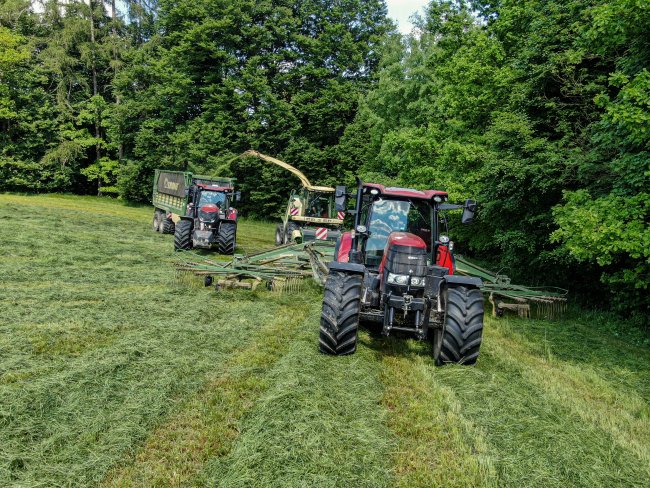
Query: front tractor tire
<point>227,238</point>
<point>463,327</point>
<point>183,236</point>
<point>339,323</point>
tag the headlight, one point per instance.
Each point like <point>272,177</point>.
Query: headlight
<point>417,280</point>
<point>396,279</point>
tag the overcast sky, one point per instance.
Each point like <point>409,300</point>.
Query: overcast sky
<point>401,10</point>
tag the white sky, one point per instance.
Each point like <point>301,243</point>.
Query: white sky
<point>401,10</point>
<point>398,10</point>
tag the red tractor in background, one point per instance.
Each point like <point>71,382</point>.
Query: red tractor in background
<point>210,220</point>
<point>396,269</point>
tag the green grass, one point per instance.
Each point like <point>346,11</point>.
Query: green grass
<point>114,372</point>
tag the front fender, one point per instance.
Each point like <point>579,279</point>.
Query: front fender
<point>468,281</point>
<point>350,268</point>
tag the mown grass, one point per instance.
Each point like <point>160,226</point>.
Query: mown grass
<point>113,372</point>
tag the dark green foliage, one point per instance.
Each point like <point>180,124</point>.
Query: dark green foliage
<point>540,110</point>
<point>222,77</point>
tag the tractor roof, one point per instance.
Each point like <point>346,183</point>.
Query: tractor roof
<point>215,188</point>
<point>390,191</point>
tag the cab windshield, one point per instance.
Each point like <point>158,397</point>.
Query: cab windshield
<point>318,205</point>
<point>215,197</point>
<point>396,216</point>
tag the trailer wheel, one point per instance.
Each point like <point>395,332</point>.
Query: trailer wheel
<point>157,215</point>
<point>183,236</point>
<point>167,225</point>
<point>279,235</point>
<point>339,322</point>
<point>463,327</point>
<point>226,238</point>
<point>288,235</point>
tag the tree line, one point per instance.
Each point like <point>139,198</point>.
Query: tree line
<point>539,109</point>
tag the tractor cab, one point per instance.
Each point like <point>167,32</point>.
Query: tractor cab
<point>313,204</point>
<point>397,269</point>
<point>210,197</point>
<point>385,217</point>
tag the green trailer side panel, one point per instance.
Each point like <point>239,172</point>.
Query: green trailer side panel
<point>167,202</point>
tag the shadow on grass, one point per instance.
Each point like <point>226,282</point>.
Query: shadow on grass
<point>396,345</point>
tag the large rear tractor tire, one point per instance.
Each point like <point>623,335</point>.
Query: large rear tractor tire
<point>227,238</point>
<point>167,225</point>
<point>279,235</point>
<point>463,328</point>
<point>183,236</point>
<point>339,322</point>
<point>288,235</point>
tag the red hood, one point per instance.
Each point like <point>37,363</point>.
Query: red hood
<point>401,239</point>
<point>209,208</point>
<point>404,239</point>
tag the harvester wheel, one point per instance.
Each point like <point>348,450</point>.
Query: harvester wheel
<point>339,322</point>
<point>167,225</point>
<point>183,236</point>
<point>461,339</point>
<point>157,216</point>
<point>279,235</point>
<point>226,238</point>
<point>288,235</point>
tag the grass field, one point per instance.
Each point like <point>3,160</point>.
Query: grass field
<point>115,373</point>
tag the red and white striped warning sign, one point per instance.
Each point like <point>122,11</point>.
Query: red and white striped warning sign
<point>341,215</point>
<point>321,233</point>
<point>294,211</point>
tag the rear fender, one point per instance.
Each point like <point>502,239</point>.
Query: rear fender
<point>349,268</point>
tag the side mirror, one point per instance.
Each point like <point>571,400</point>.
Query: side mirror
<point>341,199</point>
<point>468,211</point>
<point>237,196</point>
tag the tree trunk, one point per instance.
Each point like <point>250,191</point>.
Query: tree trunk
<point>93,67</point>
<point>120,148</point>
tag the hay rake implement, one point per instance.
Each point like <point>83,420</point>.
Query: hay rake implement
<point>543,302</point>
<point>284,269</point>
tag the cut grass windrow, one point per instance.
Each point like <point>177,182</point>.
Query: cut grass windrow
<point>522,416</point>
<point>320,424</point>
<point>206,425</point>
<point>113,369</point>
<point>437,446</point>
<point>97,345</point>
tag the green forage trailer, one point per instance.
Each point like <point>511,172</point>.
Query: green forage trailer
<point>196,209</point>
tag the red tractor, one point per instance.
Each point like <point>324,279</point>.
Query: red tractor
<point>210,220</point>
<point>395,269</point>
